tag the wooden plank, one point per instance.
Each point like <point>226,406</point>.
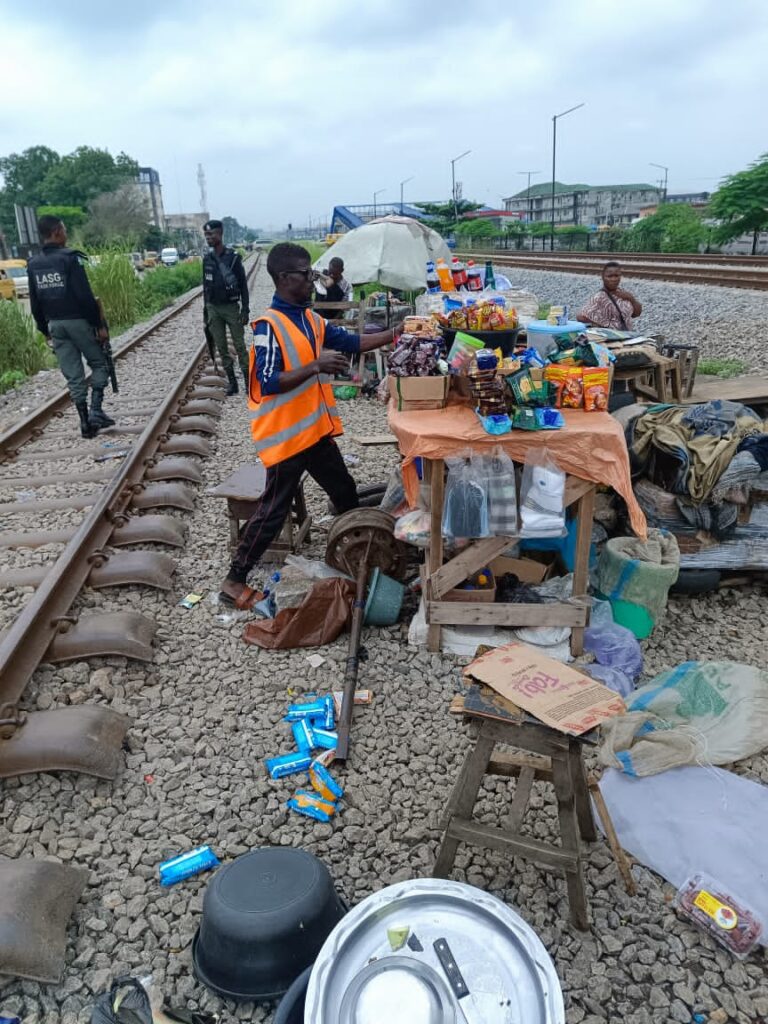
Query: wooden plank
<point>751,389</point>
<point>436,470</point>
<point>462,831</point>
<point>469,561</point>
<point>465,613</point>
<point>581,561</point>
<point>530,736</point>
<point>374,438</point>
<point>509,765</point>
<point>520,800</point>
<point>576,488</point>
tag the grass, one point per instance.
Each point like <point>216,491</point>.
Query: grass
<point>722,367</point>
<point>23,350</point>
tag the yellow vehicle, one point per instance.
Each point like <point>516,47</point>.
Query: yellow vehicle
<point>14,283</point>
<point>151,259</point>
<point>331,238</point>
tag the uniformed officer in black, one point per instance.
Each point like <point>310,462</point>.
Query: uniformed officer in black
<point>67,313</point>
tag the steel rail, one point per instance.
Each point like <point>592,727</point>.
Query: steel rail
<point>724,277</point>
<point>629,257</point>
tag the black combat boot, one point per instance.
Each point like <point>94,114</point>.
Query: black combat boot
<point>233,388</point>
<point>97,418</point>
<point>86,429</point>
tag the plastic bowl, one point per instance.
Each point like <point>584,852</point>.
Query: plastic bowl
<point>385,599</point>
<point>265,917</point>
<point>291,1008</point>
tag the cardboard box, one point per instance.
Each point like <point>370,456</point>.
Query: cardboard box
<point>479,595</point>
<point>526,569</point>
<point>413,393</point>
<point>557,695</point>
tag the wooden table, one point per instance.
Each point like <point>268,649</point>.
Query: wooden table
<point>440,577</point>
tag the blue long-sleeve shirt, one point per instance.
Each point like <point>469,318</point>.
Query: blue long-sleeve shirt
<point>269,358</point>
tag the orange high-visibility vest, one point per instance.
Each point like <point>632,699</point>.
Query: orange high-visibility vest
<point>285,424</point>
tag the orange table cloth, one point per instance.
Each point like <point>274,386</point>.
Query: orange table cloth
<point>591,446</point>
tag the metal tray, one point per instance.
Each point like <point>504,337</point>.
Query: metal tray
<point>510,977</point>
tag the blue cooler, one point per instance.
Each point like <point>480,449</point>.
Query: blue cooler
<point>542,335</point>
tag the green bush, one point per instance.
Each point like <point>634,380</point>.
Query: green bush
<point>114,281</point>
<point>722,367</point>
<point>23,350</point>
<point>161,286</point>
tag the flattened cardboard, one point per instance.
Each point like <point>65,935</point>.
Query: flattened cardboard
<point>557,695</point>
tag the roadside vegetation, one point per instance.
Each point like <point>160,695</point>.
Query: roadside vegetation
<point>722,367</point>
<point>23,350</point>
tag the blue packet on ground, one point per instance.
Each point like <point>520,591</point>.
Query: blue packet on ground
<point>288,764</point>
<point>302,735</point>
<point>330,712</point>
<point>311,709</point>
<point>187,864</point>
<point>324,738</point>
<point>310,809</point>
<point>324,783</point>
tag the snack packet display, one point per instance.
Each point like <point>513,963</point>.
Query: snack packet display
<point>572,395</point>
<point>596,388</point>
<point>521,385</point>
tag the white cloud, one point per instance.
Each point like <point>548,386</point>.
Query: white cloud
<point>292,108</point>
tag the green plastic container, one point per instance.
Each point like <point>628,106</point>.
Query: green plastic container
<point>631,616</point>
<point>385,599</point>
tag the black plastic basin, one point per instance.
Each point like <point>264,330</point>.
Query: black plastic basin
<point>265,917</point>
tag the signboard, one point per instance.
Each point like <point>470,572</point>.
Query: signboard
<point>26,225</point>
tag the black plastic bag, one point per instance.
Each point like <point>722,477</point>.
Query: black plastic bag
<point>127,1002</point>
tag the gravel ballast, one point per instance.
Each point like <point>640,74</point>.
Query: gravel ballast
<point>208,711</point>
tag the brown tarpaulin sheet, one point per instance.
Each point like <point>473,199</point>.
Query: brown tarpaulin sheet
<point>323,614</point>
<point>591,445</point>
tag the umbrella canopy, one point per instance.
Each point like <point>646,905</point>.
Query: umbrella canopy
<point>391,250</point>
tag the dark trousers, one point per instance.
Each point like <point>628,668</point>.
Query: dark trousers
<point>324,463</point>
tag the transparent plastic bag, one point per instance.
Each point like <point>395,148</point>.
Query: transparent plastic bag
<point>542,501</point>
<point>728,919</point>
<point>613,678</point>
<point>502,494</point>
<point>615,647</point>
<point>413,527</point>
<point>313,568</point>
<point>394,496</point>
<point>465,511</point>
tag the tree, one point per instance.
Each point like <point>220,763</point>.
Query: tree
<point>122,215</point>
<point>539,229</point>
<point>442,217</point>
<point>23,174</point>
<point>741,203</point>
<point>675,227</point>
<point>476,227</point>
<point>233,231</point>
<point>573,235</point>
<point>73,216</point>
<point>86,173</point>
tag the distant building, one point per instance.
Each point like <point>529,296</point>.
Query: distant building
<point>149,183</point>
<point>586,205</point>
<point>189,227</point>
<point>497,217</point>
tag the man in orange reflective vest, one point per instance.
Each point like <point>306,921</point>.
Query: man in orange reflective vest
<point>294,418</point>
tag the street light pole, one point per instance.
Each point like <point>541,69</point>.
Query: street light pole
<point>554,157</point>
<point>666,177</point>
<point>453,181</point>
<point>377,193</point>
<point>528,193</point>
<point>401,192</point>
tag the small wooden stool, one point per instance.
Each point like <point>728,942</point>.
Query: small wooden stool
<point>544,754</point>
<point>659,381</point>
<point>243,489</point>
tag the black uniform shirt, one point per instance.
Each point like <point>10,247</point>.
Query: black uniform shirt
<point>59,288</point>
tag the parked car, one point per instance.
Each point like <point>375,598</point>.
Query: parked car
<point>137,260</point>
<point>169,257</point>
<point>16,272</point>
<point>150,258</point>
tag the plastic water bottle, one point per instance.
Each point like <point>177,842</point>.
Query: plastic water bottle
<point>444,273</point>
<point>458,273</point>
<point>474,277</point>
<point>490,280</point>
<point>433,281</point>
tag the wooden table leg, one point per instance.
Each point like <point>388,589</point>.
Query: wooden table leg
<point>581,792</point>
<point>661,382</point>
<point>562,778</point>
<point>462,800</point>
<point>584,511</point>
<point>436,470</point>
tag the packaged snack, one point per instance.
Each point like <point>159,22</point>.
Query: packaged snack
<point>302,735</point>
<point>549,419</point>
<point>495,423</point>
<point>457,319</point>
<point>324,783</point>
<point>555,375</point>
<point>330,712</point>
<point>572,396</point>
<point>596,388</point>
<point>288,764</point>
<point>187,864</point>
<point>496,320</point>
<point>324,738</point>
<point>361,697</point>
<point>521,385</point>
<point>510,319</point>
<point>525,419</point>
<point>727,919</point>
<point>308,796</point>
<point>190,600</point>
<point>308,808</point>
<point>310,709</point>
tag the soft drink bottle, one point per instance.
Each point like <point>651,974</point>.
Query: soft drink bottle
<point>458,273</point>
<point>443,272</point>
<point>433,281</point>
<point>490,280</point>
<point>474,277</point>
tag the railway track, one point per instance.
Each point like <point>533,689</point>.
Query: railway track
<point>67,534</point>
<point>727,272</point>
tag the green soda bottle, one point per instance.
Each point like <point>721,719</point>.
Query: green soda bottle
<point>490,280</point>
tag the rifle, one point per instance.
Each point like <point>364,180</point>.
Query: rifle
<point>106,348</point>
<point>210,344</point>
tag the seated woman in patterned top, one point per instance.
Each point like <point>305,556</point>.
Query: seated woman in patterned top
<point>612,306</point>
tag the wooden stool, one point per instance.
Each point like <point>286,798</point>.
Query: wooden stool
<point>243,489</point>
<point>659,381</point>
<point>544,754</point>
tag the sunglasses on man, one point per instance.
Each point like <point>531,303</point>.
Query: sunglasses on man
<point>308,275</point>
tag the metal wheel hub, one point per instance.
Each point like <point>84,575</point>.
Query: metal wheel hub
<point>366,532</point>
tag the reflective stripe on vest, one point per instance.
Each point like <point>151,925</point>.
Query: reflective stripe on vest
<point>287,423</point>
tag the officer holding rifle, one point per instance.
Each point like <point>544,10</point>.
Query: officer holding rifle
<point>68,314</point>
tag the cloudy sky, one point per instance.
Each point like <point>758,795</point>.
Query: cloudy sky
<point>295,106</point>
